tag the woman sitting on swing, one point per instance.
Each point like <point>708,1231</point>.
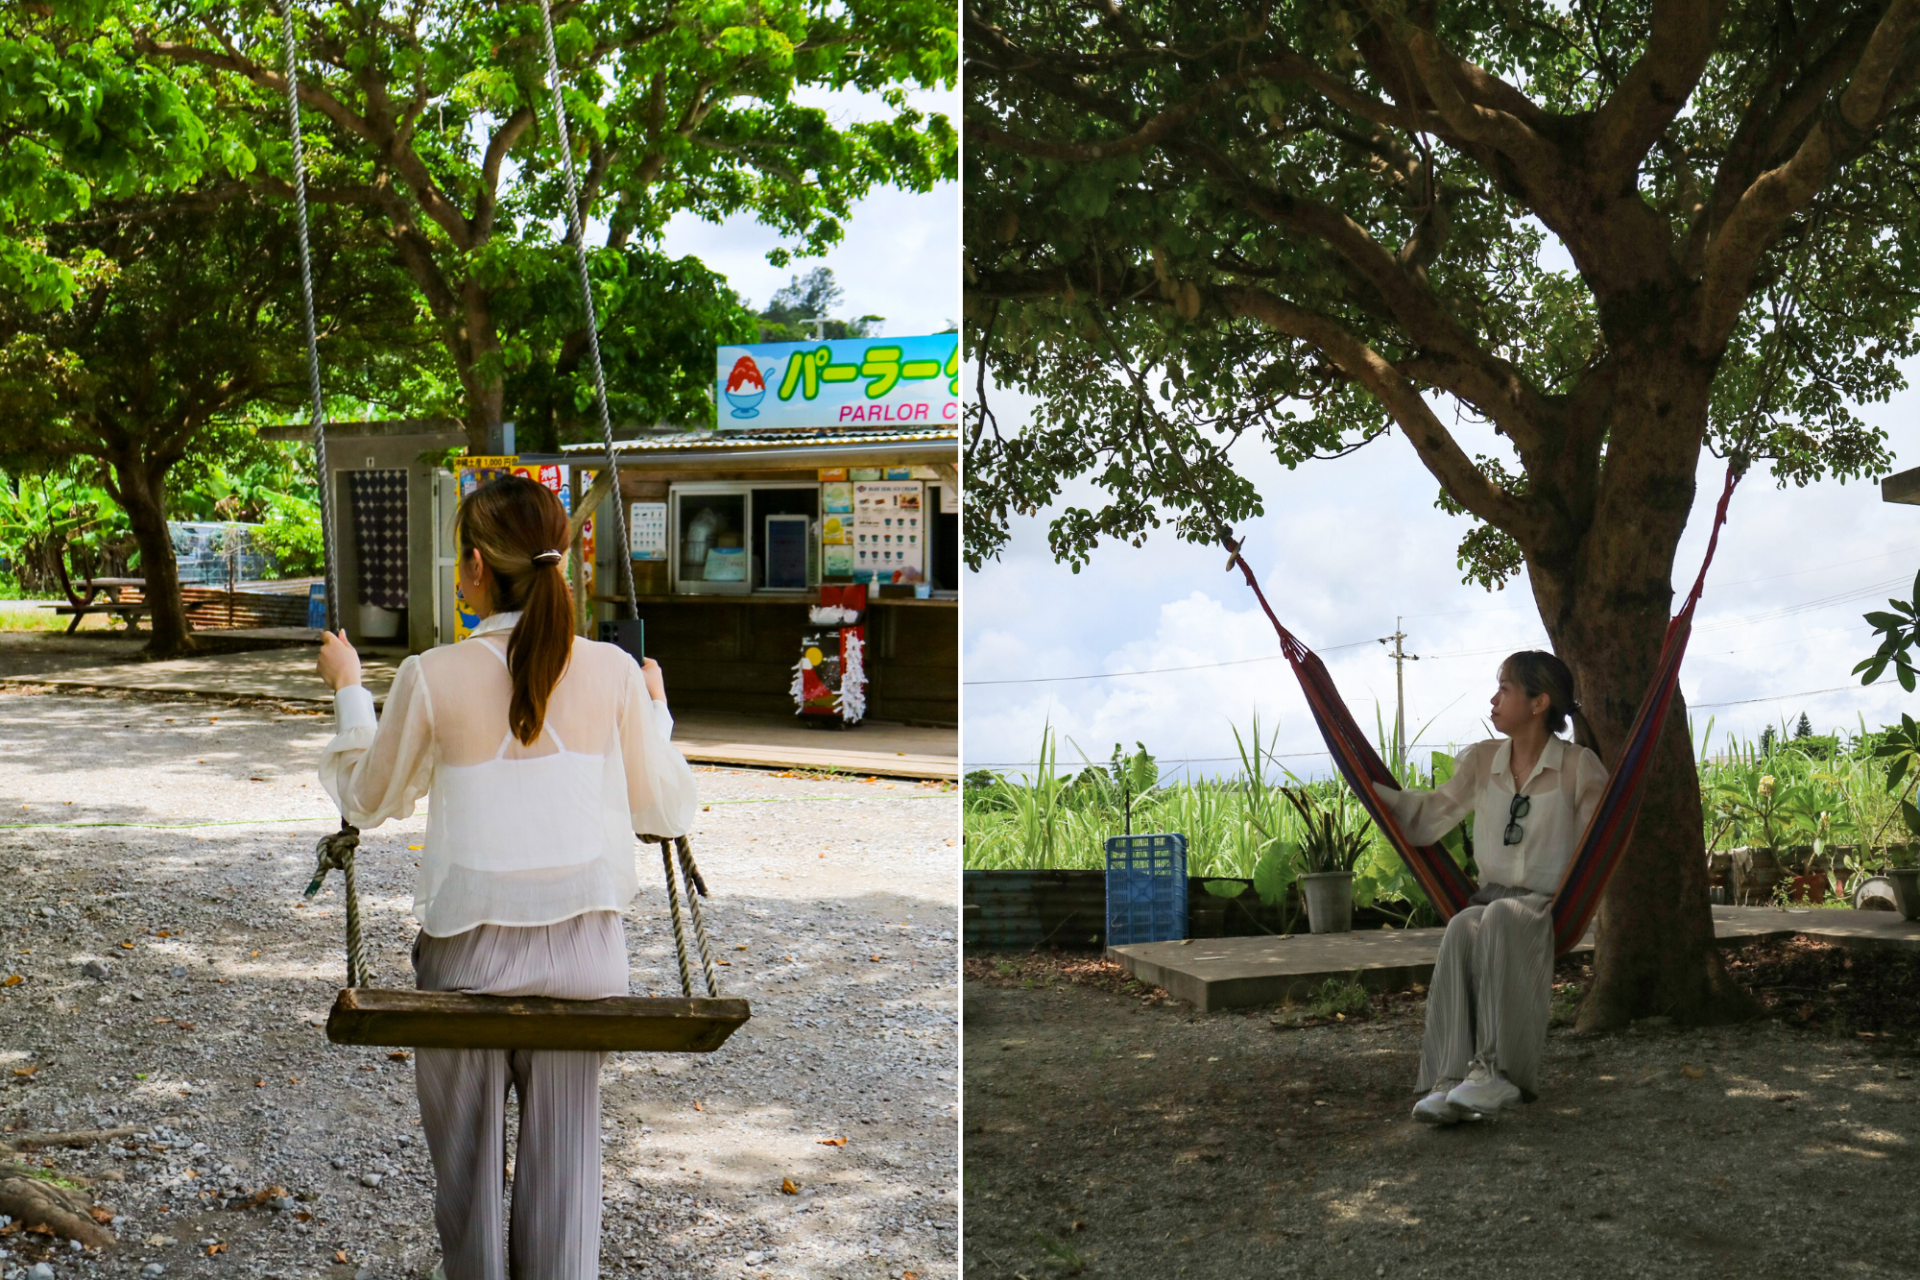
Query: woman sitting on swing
<point>543,755</point>
<point>1531,796</point>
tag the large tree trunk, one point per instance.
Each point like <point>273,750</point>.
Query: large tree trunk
<point>1606,607</point>
<point>140,487</point>
<point>477,356</point>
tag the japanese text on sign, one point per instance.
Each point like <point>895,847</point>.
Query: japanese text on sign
<point>852,382</point>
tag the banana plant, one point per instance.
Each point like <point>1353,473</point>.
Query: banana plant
<point>1333,840</point>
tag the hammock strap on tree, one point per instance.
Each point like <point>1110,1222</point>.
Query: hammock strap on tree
<point>1444,881</point>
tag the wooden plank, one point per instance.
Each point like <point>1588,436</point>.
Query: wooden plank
<point>454,1020</point>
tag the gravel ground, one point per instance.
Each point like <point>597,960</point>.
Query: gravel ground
<point>834,902</point>
<point>1113,1134</point>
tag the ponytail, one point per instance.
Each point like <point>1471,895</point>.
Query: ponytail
<point>518,526</point>
<point>1538,672</point>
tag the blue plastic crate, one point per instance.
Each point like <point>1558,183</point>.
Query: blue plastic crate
<point>1146,888</point>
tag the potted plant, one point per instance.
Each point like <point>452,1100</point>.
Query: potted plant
<point>1904,873</point>
<point>1331,844</point>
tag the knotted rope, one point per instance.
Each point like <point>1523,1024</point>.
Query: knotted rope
<point>334,852</point>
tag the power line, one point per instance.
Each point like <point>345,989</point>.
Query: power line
<point>1773,615</point>
<point>1782,697</point>
<point>1160,671</point>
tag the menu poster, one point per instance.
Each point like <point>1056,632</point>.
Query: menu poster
<point>889,536</point>
<point>647,529</point>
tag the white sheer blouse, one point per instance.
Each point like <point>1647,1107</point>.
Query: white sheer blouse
<point>516,834</point>
<point>1562,793</point>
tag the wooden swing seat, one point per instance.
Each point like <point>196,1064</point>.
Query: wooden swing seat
<point>455,1020</point>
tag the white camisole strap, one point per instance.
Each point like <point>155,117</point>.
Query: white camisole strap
<point>507,741</point>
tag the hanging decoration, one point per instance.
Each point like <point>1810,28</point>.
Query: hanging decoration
<point>830,679</point>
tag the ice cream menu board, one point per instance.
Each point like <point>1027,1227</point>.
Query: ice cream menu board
<point>889,534</point>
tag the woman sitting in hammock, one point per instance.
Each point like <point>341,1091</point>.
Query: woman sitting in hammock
<point>1531,796</point>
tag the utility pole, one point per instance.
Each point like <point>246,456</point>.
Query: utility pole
<point>1400,659</point>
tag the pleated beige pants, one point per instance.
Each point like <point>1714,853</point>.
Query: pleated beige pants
<point>554,1233</point>
<point>1492,990</point>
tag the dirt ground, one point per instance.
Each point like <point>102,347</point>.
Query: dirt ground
<point>834,904</point>
<point>1111,1133</point>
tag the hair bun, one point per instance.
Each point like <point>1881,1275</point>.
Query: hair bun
<point>549,557</point>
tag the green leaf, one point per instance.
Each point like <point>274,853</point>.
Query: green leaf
<point>1911,816</point>
<point>1275,871</point>
<point>1225,888</point>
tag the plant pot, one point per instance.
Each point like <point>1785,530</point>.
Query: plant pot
<point>1874,893</point>
<point>1906,891</point>
<point>1329,896</point>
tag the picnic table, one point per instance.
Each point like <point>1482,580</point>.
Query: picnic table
<point>81,603</point>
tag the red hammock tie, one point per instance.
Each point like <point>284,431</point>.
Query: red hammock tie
<point>1605,839</point>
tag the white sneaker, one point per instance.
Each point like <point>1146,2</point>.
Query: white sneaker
<point>1484,1091</point>
<point>1435,1109</point>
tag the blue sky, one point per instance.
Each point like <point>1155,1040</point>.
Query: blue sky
<point>1348,544</point>
<point>900,257</point>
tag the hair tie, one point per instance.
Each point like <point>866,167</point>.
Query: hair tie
<point>549,557</point>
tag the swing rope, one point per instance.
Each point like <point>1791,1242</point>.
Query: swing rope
<point>336,851</point>
<point>577,230</point>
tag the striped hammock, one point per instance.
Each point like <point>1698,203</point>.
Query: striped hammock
<point>1605,839</point>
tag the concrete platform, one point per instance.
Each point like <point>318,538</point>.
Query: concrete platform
<point>285,674</point>
<point>1239,973</point>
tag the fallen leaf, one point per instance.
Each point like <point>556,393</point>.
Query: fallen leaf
<point>163,933</point>
<point>789,1187</point>
<point>259,1084</point>
<point>24,1072</point>
<point>13,981</point>
<point>216,1248</point>
<point>127,945</point>
<point>398,1055</point>
<point>101,1214</point>
<point>368,1066</point>
<point>831,1142</point>
<point>873,957</point>
<point>908,1275</point>
<point>303,1216</point>
<point>184,1026</point>
<point>698,1107</point>
<point>741,948</point>
<point>256,953</point>
<point>339,1255</point>
<point>727,963</point>
<point>1692,1073</point>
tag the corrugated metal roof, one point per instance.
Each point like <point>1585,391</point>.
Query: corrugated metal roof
<point>694,441</point>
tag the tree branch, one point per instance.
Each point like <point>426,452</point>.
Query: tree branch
<point>1439,451</point>
<point>1679,42</point>
<point>1888,62</point>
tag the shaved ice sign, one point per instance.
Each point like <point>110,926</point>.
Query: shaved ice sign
<point>857,383</point>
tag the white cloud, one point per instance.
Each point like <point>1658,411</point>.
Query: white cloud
<point>899,258</point>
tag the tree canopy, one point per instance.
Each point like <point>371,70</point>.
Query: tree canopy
<point>1313,222</point>
<point>435,120</point>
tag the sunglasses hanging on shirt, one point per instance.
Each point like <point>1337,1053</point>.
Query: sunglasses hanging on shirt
<point>1516,811</point>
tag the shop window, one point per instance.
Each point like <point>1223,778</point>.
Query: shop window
<point>732,538</point>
